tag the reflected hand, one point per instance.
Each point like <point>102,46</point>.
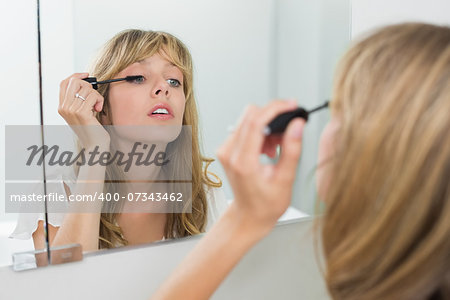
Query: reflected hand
<point>78,102</point>
<point>262,192</point>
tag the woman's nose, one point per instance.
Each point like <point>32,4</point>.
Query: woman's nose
<point>161,89</point>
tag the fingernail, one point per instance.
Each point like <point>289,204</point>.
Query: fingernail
<point>297,130</point>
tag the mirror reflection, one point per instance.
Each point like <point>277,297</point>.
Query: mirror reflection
<point>199,64</point>
<point>160,95</point>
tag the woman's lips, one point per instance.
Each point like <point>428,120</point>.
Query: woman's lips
<point>161,107</point>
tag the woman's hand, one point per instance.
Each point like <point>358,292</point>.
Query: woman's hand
<point>78,102</point>
<point>262,192</point>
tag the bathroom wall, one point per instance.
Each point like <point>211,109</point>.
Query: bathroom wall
<point>368,15</point>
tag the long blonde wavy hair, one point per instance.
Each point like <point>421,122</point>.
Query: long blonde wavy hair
<point>124,49</point>
<point>386,228</point>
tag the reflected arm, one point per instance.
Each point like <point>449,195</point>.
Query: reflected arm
<point>83,228</point>
<point>39,235</point>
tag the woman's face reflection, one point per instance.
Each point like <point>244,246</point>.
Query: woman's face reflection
<point>157,99</point>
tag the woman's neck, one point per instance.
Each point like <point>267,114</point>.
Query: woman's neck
<point>141,228</point>
<point>142,162</point>
<point>137,223</point>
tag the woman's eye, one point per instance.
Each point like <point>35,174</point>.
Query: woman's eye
<point>139,79</point>
<point>173,82</point>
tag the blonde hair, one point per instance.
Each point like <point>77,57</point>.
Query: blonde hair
<point>122,50</point>
<point>386,228</point>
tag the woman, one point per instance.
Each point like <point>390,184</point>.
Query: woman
<point>384,169</point>
<point>162,96</point>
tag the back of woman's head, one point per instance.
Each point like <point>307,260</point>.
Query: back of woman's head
<point>386,230</point>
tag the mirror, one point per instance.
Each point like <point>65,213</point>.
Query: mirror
<point>242,53</point>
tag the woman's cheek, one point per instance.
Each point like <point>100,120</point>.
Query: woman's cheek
<point>119,113</point>
<point>126,106</point>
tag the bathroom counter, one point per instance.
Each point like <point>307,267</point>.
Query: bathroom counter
<point>282,266</point>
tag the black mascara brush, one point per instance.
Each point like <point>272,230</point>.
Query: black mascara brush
<point>279,124</point>
<point>95,83</point>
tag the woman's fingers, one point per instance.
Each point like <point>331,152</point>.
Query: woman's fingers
<point>262,192</point>
<point>89,104</point>
<point>63,85</point>
<point>251,137</point>
<point>239,155</point>
<point>291,148</point>
<point>98,105</point>
<point>270,145</point>
<point>75,86</point>
<point>72,86</point>
<point>78,101</point>
<point>224,152</point>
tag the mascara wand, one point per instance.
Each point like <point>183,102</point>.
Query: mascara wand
<point>95,83</point>
<point>279,124</point>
